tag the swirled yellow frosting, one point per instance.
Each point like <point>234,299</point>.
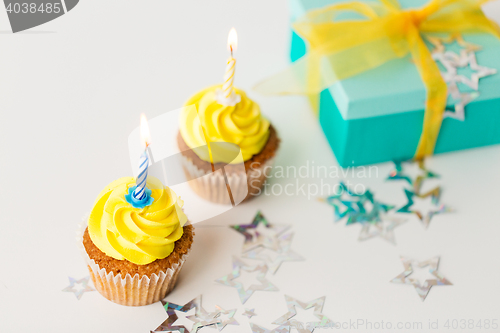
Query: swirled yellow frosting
<point>241,124</point>
<point>139,235</point>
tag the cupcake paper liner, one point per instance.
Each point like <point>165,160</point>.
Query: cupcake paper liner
<point>128,290</point>
<point>212,185</point>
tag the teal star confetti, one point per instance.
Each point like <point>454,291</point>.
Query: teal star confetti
<point>344,201</point>
<point>356,207</point>
<point>425,219</point>
<point>364,215</point>
<point>398,173</point>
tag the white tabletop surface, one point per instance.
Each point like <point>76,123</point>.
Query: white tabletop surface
<point>72,91</point>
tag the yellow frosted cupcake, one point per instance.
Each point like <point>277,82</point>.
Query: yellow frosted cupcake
<point>241,150</point>
<point>134,253</point>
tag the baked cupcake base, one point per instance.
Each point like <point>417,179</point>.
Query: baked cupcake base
<point>243,186</point>
<point>126,283</point>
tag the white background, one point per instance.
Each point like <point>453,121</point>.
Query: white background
<point>72,90</point>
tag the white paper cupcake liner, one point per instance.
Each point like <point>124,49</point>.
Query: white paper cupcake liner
<point>128,290</point>
<point>212,185</point>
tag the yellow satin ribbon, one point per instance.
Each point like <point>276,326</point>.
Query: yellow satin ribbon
<point>339,49</point>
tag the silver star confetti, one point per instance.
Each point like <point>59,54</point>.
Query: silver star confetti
<point>398,173</point>
<point>316,304</point>
<point>201,317</point>
<point>243,293</point>
<point>469,59</point>
<point>454,37</point>
<point>459,107</point>
<point>78,287</point>
<point>358,208</point>
<point>265,237</point>
<point>249,313</point>
<point>451,62</point>
<point>383,229</point>
<point>274,261</point>
<point>422,290</point>
<point>228,314</point>
<point>425,219</point>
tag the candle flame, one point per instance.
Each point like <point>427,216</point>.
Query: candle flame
<point>145,136</point>
<point>232,40</point>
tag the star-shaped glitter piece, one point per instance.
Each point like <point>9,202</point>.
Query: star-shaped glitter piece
<point>228,315</point>
<point>266,238</point>
<point>259,329</point>
<point>398,173</point>
<point>422,290</point>
<point>480,72</point>
<point>463,99</point>
<point>78,287</point>
<point>201,317</point>
<point>249,313</point>
<point>369,215</point>
<point>243,293</point>
<point>437,42</point>
<point>425,219</point>
<point>283,254</point>
<point>383,229</point>
<point>451,61</point>
<point>355,206</point>
<point>344,201</point>
<point>316,304</point>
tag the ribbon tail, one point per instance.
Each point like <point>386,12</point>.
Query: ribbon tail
<point>290,81</point>
<point>303,77</point>
<point>314,82</point>
<point>436,90</point>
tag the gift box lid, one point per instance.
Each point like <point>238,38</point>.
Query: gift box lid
<point>396,87</point>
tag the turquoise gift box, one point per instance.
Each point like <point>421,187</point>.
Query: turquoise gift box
<point>377,116</point>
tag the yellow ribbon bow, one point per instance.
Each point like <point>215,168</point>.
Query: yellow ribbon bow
<point>339,49</point>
